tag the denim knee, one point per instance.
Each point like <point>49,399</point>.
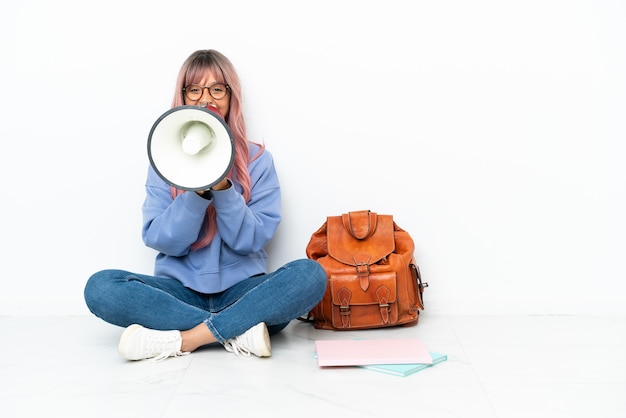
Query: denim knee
<point>97,286</point>
<point>314,277</point>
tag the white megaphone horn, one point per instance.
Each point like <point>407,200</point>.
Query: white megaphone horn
<point>191,147</point>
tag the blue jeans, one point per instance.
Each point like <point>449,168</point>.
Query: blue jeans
<point>123,298</point>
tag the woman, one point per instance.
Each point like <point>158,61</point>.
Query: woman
<point>210,283</point>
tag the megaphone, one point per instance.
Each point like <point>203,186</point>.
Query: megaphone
<point>191,147</point>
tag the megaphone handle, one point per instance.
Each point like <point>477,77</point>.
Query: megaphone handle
<point>206,194</point>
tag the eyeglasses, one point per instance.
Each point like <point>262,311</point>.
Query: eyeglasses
<point>216,90</point>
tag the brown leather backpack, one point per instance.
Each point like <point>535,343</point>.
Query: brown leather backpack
<point>373,278</point>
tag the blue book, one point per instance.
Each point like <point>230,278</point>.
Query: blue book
<point>406,369</point>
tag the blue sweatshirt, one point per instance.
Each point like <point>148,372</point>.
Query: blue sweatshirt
<point>171,226</point>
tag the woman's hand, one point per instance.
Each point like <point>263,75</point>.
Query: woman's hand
<point>222,185</point>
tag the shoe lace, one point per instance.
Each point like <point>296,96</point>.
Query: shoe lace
<point>168,353</point>
<point>160,344</point>
<point>237,346</point>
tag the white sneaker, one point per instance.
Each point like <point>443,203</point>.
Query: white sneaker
<point>138,343</point>
<point>255,341</point>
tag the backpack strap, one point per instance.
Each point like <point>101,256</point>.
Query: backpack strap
<point>377,238</point>
<point>360,224</point>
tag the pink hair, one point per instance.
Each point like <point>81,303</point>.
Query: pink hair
<point>194,69</point>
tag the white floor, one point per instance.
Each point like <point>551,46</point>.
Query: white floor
<point>498,366</point>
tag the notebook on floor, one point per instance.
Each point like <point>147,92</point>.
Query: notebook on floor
<point>406,369</point>
<point>366,352</point>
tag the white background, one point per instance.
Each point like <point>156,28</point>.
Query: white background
<point>493,131</point>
